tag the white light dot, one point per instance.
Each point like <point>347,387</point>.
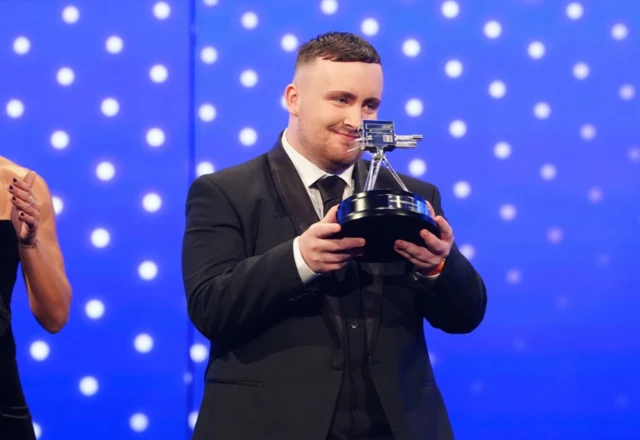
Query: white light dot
<point>468,251</point>
<point>450,9</point>
<point>433,359</point>
<point>147,270</point>
<point>21,45</point>
<point>289,43</point>
<point>627,92</point>
<point>158,73</point>
<point>210,2</point>
<point>587,132</point>
<point>161,10</point>
<point>595,195</point>
<point>65,76</point>
<point>204,168</point>
<point>94,309</point>
<point>411,47</point>
<point>457,128</point>
<point>114,44</point>
<point>542,110</point>
<point>283,102</point>
<point>508,212</point>
<point>555,235</point>
<point>497,89</point>
<point>536,50</point>
<point>574,11</point>
<point>88,386</point>
<point>100,238</point>
<point>492,29</point>
<point>143,343</point>
<point>139,422</point>
<point>249,78</point>
<point>37,430</point>
<point>619,31</point>
<point>329,7</point>
<point>110,107</point>
<point>59,140</point>
<point>198,353</point>
<point>58,205</point>
<point>15,108</point>
<point>151,202</point>
<point>248,137</point>
<point>476,387</point>
<point>39,350</point>
<point>417,167</point>
<point>414,107</point>
<point>105,171</point>
<point>70,14</point>
<point>548,171</point>
<point>155,137</point>
<point>207,112</point>
<point>369,27</point>
<point>581,70</point>
<point>209,55</point>
<point>249,20</point>
<point>193,418</point>
<point>187,378</point>
<point>502,150</point>
<point>634,154</point>
<point>453,68</point>
<point>514,276</point>
<point>462,189</point>
<point>562,302</point>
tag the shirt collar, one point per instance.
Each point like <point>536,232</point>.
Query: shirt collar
<point>309,172</point>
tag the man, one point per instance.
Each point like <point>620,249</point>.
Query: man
<point>307,342</point>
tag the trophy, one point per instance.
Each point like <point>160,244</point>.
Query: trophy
<point>382,216</point>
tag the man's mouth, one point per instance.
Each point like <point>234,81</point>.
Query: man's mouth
<point>350,137</point>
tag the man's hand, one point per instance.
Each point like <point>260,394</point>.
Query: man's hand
<point>324,254</point>
<point>427,258</point>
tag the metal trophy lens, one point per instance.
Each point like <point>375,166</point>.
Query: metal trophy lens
<point>382,216</point>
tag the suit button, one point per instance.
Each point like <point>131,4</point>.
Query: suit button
<point>355,365</point>
<point>355,408</point>
<point>337,364</point>
<point>354,324</point>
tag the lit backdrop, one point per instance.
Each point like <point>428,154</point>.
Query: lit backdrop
<point>530,118</point>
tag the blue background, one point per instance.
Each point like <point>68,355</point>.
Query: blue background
<point>553,226</point>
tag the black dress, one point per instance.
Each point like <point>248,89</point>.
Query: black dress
<point>15,418</point>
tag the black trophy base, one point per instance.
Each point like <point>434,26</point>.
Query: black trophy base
<point>383,216</point>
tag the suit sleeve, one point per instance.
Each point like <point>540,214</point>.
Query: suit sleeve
<point>456,300</point>
<point>227,291</point>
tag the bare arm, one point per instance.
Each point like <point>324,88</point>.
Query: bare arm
<point>40,255</point>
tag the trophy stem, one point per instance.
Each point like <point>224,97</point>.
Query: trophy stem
<point>372,175</point>
<point>394,174</point>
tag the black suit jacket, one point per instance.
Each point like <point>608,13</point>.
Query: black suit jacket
<point>275,366</point>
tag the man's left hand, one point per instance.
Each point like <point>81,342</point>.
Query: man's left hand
<point>428,257</point>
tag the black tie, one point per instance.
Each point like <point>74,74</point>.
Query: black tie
<point>331,190</point>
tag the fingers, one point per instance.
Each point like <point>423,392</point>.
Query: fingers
<point>331,215</point>
<point>31,222</point>
<point>29,179</point>
<point>23,206</point>
<point>432,212</point>
<point>324,230</point>
<point>20,190</point>
<point>446,232</point>
<point>433,243</point>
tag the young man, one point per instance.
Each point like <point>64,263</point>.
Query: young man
<point>308,343</point>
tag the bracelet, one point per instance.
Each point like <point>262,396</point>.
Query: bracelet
<point>437,270</point>
<point>28,245</point>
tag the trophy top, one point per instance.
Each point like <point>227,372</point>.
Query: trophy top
<point>379,136</point>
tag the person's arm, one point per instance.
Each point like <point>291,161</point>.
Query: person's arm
<point>455,301</point>
<point>40,255</point>
<point>227,291</point>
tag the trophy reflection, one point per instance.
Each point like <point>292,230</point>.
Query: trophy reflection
<point>382,216</point>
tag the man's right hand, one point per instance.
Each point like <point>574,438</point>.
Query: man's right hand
<point>324,254</point>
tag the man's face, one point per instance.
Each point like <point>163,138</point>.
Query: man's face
<point>332,100</point>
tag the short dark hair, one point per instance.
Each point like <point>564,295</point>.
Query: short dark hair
<point>337,46</point>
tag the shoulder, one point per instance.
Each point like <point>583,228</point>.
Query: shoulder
<point>10,170</point>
